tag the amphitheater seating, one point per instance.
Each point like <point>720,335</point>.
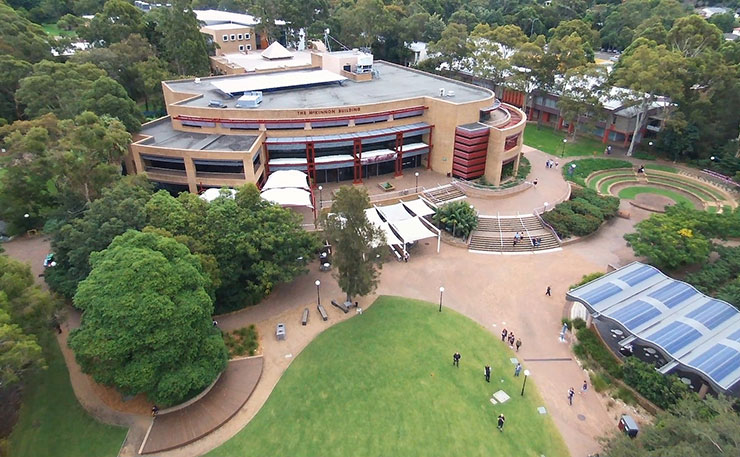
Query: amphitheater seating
<point>496,234</point>
<point>443,194</point>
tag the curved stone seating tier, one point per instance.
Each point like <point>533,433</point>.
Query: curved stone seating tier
<point>593,179</point>
<point>226,397</point>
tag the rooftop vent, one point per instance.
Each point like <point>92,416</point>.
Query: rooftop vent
<point>197,80</point>
<point>442,92</point>
<point>450,93</point>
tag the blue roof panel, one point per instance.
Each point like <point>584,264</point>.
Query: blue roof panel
<point>601,293</point>
<point>638,275</point>
<point>635,314</point>
<point>673,294</point>
<point>713,313</point>
<point>674,336</point>
<point>718,361</point>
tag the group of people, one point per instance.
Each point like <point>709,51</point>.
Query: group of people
<point>536,241</point>
<point>551,163</point>
<point>518,236</point>
<point>572,392</point>
<point>513,341</point>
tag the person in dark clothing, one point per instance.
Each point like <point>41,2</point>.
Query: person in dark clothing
<point>155,410</point>
<point>501,421</point>
<point>487,373</point>
<point>547,292</point>
<point>504,332</point>
<point>518,344</point>
<point>456,359</point>
<point>571,393</point>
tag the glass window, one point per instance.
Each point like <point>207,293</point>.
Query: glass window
<point>249,47</point>
<point>246,36</point>
<point>241,47</point>
<point>240,36</point>
<point>233,37</point>
<point>226,38</point>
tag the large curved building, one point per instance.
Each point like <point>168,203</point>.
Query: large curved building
<point>344,118</point>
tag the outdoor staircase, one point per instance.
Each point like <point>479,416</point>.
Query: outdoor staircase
<point>443,194</point>
<point>495,234</point>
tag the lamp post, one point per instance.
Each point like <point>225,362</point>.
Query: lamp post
<point>417,182</point>
<point>318,293</point>
<point>321,201</point>
<point>562,153</point>
<point>524,384</point>
<point>441,291</point>
<point>531,29</point>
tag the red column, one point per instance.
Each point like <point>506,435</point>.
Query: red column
<point>560,122</point>
<point>626,140</point>
<point>399,154</point>
<point>605,136</point>
<point>311,163</point>
<point>431,146</point>
<point>357,154</point>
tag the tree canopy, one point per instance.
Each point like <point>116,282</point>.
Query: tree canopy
<point>146,326</point>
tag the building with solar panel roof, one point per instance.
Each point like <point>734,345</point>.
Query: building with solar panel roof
<point>666,322</point>
<point>336,116</point>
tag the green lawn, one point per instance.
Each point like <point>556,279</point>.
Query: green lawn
<point>54,30</point>
<point>697,191</point>
<point>604,187</point>
<point>52,422</point>
<point>547,140</point>
<point>631,192</point>
<point>661,167</point>
<point>383,384</point>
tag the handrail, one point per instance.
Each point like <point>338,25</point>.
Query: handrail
<point>549,227</point>
<point>500,231</point>
<point>499,191</point>
<point>529,235</point>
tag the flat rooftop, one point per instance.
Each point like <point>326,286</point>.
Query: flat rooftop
<point>391,83</point>
<point>254,61</point>
<point>165,136</point>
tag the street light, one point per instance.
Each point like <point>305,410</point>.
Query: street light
<point>417,182</point>
<point>524,384</point>
<point>28,215</point>
<point>562,154</point>
<point>318,294</point>
<point>321,205</point>
<point>441,291</point>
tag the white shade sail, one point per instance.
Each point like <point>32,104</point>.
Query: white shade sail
<point>288,197</point>
<point>394,213</point>
<point>213,193</point>
<point>419,207</point>
<point>283,179</point>
<point>412,230</point>
<point>374,218</point>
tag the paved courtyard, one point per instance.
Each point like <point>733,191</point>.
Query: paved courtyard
<point>495,291</point>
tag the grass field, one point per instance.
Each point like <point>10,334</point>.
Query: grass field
<point>547,140</point>
<point>52,422</point>
<point>383,384</point>
<point>631,192</point>
<point>54,30</point>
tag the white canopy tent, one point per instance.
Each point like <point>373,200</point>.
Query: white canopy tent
<point>374,218</point>
<point>419,207</point>
<point>213,193</point>
<point>284,179</point>
<point>414,229</point>
<point>288,197</point>
<point>394,213</point>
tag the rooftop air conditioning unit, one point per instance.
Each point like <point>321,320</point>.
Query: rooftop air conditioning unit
<point>450,93</point>
<point>441,92</point>
<point>249,100</point>
<point>197,80</point>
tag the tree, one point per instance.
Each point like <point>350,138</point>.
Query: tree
<point>693,35</point>
<point>458,218</point>
<point>55,168</point>
<point>580,99</point>
<point>692,428</point>
<point>589,37</point>
<point>120,208</point>
<point>182,44</point>
<point>670,241</point>
<point>116,22</point>
<point>19,352</point>
<point>653,30</point>
<point>358,245</point>
<point>146,326</point>
<point>21,38</point>
<point>12,70</point>
<point>452,45</point>
<point>570,52</point>
<point>649,70</point>
<point>68,89</point>
<point>725,22</point>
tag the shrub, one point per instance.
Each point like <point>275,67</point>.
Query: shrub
<point>589,346</point>
<point>588,278</point>
<point>599,382</point>
<point>625,395</point>
<point>458,218</point>
<point>582,214</point>
<point>578,323</point>
<point>663,390</point>
<point>242,341</point>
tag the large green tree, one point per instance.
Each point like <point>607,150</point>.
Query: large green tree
<point>21,38</point>
<point>68,89</point>
<point>12,70</point>
<point>692,428</point>
<point>182,44</point>
<point>120,208</point>
<point>55,168</point>
<point>118,20</point>
<point>146,326</point>
<point>358,246</point>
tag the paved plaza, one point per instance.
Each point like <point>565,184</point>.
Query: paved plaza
<point>497,292</point>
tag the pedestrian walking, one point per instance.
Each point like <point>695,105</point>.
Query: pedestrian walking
<point>503,334</point>
<point>511,340</point>
<point>487,373</point>
<point>501,421</point>
<point>547,292</point>
<point>571,392</point>
<point>517,370</point>
<point>155,410</point>
<point>535,182</point>
<point>456,359</point>
<point>518,344</point>
<point>584,387</point>
<point>215,323</point>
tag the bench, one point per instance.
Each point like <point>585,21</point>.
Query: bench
<point>304,318</point>
<point>341,306</point>
<point>322,311</point>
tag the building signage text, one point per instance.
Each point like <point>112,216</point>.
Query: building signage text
<point>312,112</point>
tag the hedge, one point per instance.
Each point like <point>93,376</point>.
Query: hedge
<point>582,214</point>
